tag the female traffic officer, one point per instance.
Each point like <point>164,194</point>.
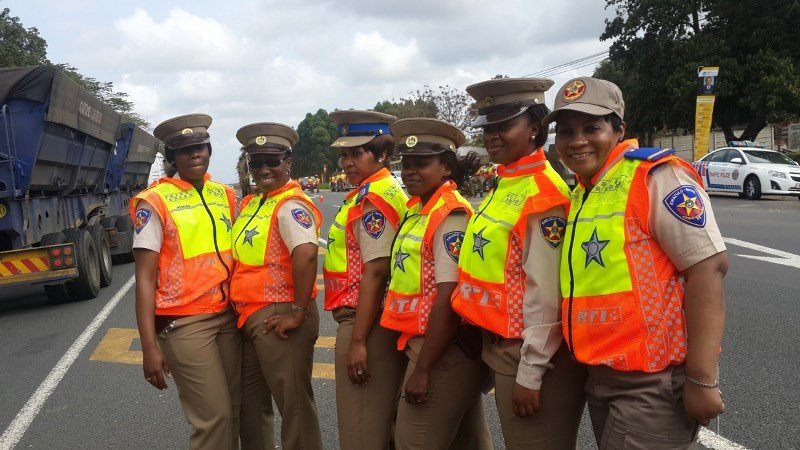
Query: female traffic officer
<point>183,262</point>
<point>438,412</point>
<point>508,279</point>
<point>641,275</point>
<point>274,280</point>
<point>368,368</point>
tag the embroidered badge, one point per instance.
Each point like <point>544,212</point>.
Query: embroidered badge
<point>142,217</point>
<point>302,217</point>
<point>574,91</point>
<point>686,205</point>
<point>452,243</point>
<point>552,229</point>
<point>374,223</point>
<point>594,248</point>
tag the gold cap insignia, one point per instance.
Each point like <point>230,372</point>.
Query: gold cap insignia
<point>344,130</point>
<point>486,102</point>
<point>411,141</point>
<point>261,140</point>
<point>574,91</point>
<point>187,131</point>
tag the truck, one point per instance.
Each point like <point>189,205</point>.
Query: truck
<point>68,168</point>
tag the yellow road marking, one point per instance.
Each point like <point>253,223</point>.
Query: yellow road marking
<point>115,347</point>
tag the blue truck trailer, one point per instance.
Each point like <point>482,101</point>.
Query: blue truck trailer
<point>68,167</point>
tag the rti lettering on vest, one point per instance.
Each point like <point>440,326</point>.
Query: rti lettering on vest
<point>612,185</point>
<point>600,315</point>
<point>92,114</point>
<point>513,199</point>
<point>619,362</point>
<point>402,305</point>
<point>178,196</point>
<point>480,295</point>
<point>335,284</point>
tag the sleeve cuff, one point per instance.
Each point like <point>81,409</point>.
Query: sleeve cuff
<point>530,377</point>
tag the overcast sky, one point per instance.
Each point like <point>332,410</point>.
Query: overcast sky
<point>245,61</point>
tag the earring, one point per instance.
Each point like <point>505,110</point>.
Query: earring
<point>380,160</point>
<point>533,138</point>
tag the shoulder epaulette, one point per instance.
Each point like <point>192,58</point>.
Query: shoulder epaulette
<point>649,153</point>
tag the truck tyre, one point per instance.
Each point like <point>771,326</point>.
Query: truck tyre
<point>100,239</point>
<point>125,237</point>
<point>56,293</point>
<point>87,285</point>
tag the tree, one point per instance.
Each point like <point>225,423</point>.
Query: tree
<point>659,44</point>
<point>20,46</point>
<point>447,103</point>
<point>313,151</point>
<point>407,107</point>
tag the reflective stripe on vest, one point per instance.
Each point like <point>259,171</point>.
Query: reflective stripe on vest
<point>262,262</point>
<point>623,304</point>
<point>491,279</point>
<point>343,266</point>
<point>412,288</point>
<point>195,258</point>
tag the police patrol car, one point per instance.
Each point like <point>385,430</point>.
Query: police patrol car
<point>749,170</point>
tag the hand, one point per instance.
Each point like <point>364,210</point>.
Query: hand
<point>155,368</point>
<point>282,323</point>
<point>416,390</point>
<point>357,363</point>
<point>702,404</point>
<point>526,401</point>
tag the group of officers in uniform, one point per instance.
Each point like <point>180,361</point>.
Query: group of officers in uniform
<point>610,294</point>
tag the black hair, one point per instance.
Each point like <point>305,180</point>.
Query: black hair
<point>460,168</point>
<point>614,120</point>
<point>535,115</point>
<point>380,145</point>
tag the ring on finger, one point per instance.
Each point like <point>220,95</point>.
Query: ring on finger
<point>360,372</point>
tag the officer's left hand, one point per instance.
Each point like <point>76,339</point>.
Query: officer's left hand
<point>526,401</point>
<point>702,404</point>
<point>282,323</point>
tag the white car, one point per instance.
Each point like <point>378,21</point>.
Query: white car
<point>396,174</point>
<point>749,171</point>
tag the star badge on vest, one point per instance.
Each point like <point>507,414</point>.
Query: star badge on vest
<point>686,204</point>
<point>399,257</point>
<point>594,248</point>
<point>302,217</point>
<point>452,243</point>
<point>227,222</point>
<point>142,217</point>
<point>480,242</point>
<point>374,223</point>
<point>248,236</point>
<point>552,229</point>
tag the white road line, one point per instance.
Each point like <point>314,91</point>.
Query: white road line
<point>28,413</point>
<point>778,256</point>
<point>337,206</point>
<point>710,439</point>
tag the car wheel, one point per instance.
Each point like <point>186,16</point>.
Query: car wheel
<point>752,188</point>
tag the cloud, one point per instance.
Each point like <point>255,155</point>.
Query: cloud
<point>376,57</point>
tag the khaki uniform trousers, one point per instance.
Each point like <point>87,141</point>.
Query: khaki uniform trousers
<point>286,366</point>
<point>455,384</point>
<point>257,429</point>
<point>204,354</point>
<point>639,410</point>
<point>555,425</point>
<point>366,413</point>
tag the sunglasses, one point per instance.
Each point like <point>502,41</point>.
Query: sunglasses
<point>271,163</point>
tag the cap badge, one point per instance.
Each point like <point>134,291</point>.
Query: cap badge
<point>487,102</point>
<point>261,140</point>
<point>574,91</point>
<point>411,141</point>
<point>343,130</point>
<point>187,131</point>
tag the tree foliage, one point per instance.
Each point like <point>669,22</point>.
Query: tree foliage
<point>446,103</point>
<point>313,151</point>
<point>659,44</point>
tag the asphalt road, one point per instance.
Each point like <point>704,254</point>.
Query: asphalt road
<point>102,401</point>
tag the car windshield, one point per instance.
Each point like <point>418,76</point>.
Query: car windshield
<point>761,156</point>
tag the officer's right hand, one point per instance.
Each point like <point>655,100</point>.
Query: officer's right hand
<point>357,363</point>
<point>416,390</point>
<point>526,402</point>
<point>702,404</point>
<point>155,368</point>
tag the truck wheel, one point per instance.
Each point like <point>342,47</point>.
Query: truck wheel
<point>56,293</point>
<point>125,237</point>
<point>100,239</point>
<point>87,285</point>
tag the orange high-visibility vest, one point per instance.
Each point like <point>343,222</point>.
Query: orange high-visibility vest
<point>194,263</point>
<point>262,263</point>
<point>491,281</point>
<point>623,297</point>
<point>412,289</point>
<point>343,266</point>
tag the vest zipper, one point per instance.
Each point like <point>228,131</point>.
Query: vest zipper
<point>491,197</point>
<point>216,245</point>
<point>571,274</point>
